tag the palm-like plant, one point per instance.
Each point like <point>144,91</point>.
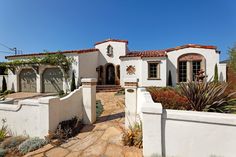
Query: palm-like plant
<point>207,96</point>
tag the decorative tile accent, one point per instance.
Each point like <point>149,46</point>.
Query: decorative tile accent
<point>130,70</point>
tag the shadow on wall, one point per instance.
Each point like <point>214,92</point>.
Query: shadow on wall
<point>173,70</point>
<point>221,77</point>
<point>12,87</point>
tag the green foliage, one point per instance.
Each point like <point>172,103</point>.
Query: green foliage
<point>170,79</point>
<point>169,98</point>
<point>4,84</point>
<point>57,59</point>
<point>206,96</point>
<point>72,86</point>
<point>2,152</point>
<point>216,74</point>
<point>12,142</point>
<point>99,108</point>
<point>120,92</point>
<point>133,136</point>
<point>61,93</point>
<point>232,55</point>
<point>3,130</point>
<point>31,144</point>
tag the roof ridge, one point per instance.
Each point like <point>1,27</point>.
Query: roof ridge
<point>54,52</point>
<point>109,39</point>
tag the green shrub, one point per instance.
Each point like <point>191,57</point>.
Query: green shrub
<point>206,96</point>
<point>31,144</point>
<point>216,79</point>
<point>99,108</point>
<point>72,86</point>
<point>2,152</point>
<point>133,136</point>
<point>12,142</point>
<point>61,93</point>
<point>3,130</point>
<point>4,84</point>
<point>120,92</point>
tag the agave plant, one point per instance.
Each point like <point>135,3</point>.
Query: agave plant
<point>207,96</point>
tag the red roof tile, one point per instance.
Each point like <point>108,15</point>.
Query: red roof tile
<point>162,53</point>
<point>148,53</point>
<point>45,53</point>
<point>115,40</point>
<point>191,46</point>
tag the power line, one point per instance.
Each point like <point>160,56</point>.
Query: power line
<point>5,51</point>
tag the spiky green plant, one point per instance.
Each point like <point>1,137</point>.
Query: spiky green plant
<point>3,130</point>
<point>206,96</point>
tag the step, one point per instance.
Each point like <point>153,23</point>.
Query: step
<point>108,88</point>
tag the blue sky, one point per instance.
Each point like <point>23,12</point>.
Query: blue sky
<point>34,26</point>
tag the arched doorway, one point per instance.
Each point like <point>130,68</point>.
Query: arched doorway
<point>110,74</point>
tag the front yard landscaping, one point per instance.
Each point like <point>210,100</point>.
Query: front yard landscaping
<point>196,96</point>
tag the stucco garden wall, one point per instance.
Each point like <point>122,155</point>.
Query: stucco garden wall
<point>175,133</point>
<point>36,117</point>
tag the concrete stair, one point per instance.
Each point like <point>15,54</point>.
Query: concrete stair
<point>108,88</point>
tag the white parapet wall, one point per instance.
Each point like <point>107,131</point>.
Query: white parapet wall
<point>175,133</point>
<point>38,117</point>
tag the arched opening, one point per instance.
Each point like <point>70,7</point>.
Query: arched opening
<point>110,74</point>
<point>52,81</point>
<point>27,80</point>
<point>189,65</point>
<point>99,70</point>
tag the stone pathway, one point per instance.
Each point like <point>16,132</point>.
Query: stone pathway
<point>102,139</point>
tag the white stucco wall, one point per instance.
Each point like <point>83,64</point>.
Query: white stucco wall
<point>87,65</point>
<point>141,73</point>
<point>36,117</point>
<point>186,133</point>
<point>119,49</point>
<point>211,56</point>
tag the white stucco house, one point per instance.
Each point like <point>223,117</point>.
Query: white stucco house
<point>111,61</point>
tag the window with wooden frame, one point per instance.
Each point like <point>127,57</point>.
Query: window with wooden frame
<point>154,70</point>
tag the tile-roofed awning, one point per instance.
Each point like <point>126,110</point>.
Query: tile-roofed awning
<point>59,52</point>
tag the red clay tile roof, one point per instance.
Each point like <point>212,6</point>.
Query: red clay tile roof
<point>191,46</point>
<point>115,40</point>
<point>147,53</point>
<point>63,52</point>
<point>163,53</point>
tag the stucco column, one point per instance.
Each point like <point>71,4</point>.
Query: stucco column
<point>131,85</point>
<point>89,100</point>
<point>189,71</point>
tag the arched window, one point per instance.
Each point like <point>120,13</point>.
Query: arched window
<point>109,50</point>
<point>189,65</point>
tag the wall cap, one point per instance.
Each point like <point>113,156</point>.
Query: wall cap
<point>88,80</point>
<point>131,80</point>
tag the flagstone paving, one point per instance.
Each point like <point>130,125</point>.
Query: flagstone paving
<point>102,139</point>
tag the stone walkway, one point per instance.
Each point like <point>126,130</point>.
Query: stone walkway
<point>102,139</point>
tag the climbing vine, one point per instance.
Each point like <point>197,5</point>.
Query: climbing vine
<point>50,59</point>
